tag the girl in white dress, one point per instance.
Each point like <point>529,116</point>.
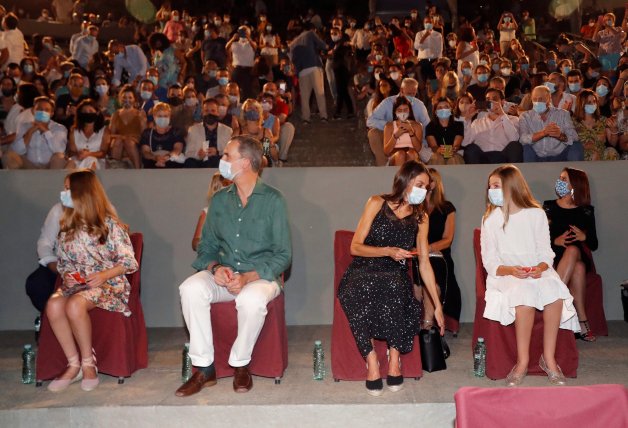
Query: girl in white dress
<point>518,258</point>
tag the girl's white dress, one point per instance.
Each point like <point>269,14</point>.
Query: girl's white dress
<point>525,241</point>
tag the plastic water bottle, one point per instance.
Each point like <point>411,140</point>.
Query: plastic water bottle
<point>37,328</point>
<point>479,358</point>
<point>186,368</point>
<point>319,361</point>
<point>28,364</point>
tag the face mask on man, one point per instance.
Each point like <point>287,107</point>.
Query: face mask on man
<point>65,196</point>
<point>28,68</point>
<point>574,87</point>
<point>539,107</point>
<point>210,119</point>
<point>482,78</point>
<point>429,26</point>
<point>496,197</point>
<point>225,169</point>
<point>417,195</point>
<point>42,116</point>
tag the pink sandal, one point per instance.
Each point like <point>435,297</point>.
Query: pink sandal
<point>89,384</point>
<point>58,385</point>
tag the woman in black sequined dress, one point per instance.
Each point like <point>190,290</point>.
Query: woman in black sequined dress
<point>376,291</point>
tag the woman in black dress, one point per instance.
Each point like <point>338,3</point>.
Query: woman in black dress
<point>442,215</point>
<point>572,227</point>
<point>376,290</point>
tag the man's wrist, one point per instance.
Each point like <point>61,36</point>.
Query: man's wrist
<point>214,268</point>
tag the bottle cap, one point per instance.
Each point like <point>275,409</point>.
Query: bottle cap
<point>318,343</point>
<point>27,346</point>
<point>187,345</point>
<point>481,339</point>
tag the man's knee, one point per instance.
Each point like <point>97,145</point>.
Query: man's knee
<point>194,287</point>
<point>12,160</point>
<point>529,155</point>
<point>575,152</point>
<point>251,301</point>
<point>57,161</point>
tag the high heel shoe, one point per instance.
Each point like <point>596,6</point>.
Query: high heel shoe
<point>555,378</point>
<point>89,384</point>
<point>514,379</point>
<point>375,387</point>
<point>588,335</point>
<point>58,385</point>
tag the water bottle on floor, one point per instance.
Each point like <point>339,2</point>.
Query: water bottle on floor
<point>28,364</point>
<point>319,361</point>
<point>479,358</point>
<point>186,368</point>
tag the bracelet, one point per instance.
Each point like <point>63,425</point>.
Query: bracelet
<point>215,268</point>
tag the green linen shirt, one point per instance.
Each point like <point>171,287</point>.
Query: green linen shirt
<point>255,237</point>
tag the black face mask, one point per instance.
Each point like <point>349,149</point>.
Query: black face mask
<point>87,117</point>
<point>174,101</point>
<point>210,119</point>
<point>7,92</point>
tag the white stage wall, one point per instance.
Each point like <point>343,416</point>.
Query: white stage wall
<point>164,206</point>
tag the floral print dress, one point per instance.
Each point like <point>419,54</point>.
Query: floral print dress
<point>594,141</point>
<point>85,255</point>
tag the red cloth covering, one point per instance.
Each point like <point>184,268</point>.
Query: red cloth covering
<point>594,298</point>
<point>270,354</point>
<point>346,361</point>
<point>596,406</point>
<point>120,343</point>
<point>501,343</point>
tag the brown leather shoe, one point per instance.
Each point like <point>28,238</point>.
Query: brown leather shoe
<point>242,380</point>
<point>197,382</point>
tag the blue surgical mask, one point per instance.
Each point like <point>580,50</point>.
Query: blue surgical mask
<point>551,63</point>
<point>66,199</point>
<point>42,116</point>
<point>28,69</point>
<point>539,107</point>
<point>482,78</point>
<point>212,74</point>
<point>102,89</point>
<point>153,79</point>
<point>550,86</point>
<point>602,90</point>
<point>466,72</point>
<point>562,188</point>
<point>417,195</point>
<point>224,168</point>
<point>495,67</point>
<point>590,108</point>
<point>146,95</point>
<point>566,70</point>
<point>594,74</point>
<point>252,115</point>
<point>429,26</point>
<point>223,81</point>
<point>524,67</point>
<point>369,69</point>
<point>443,113</point>
<point>496,197</point>
<point>162,122</point>
<point>574,87</point>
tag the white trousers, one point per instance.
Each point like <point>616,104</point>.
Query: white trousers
<point>199,291</point>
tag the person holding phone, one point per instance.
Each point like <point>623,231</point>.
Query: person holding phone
<point>376,291</point>
<point>242,50</point>
<point>507,31</point>
<point>94,254</point>
<point>572,227</point>
<point>404,135</point>
<point>518,259</point>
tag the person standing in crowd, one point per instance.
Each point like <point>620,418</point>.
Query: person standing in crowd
<point>342,63</point>
<point>242,49</point>
<point>94,255</point>
<point>129,59</point>
<point>233,263</point>
<point>304,50</point>
<point>86,46</point>
<point>429,46</point>
<point>610,39</point>
<point>547,133</point>
<point>528,26</point>
<point>572,229</point>
<point>375,292</point>
<point>507,31</point>
<point>12,42</point>
<point>164,60</point>
<point>467,50</point>
<point>518,257</point>
<point>442,215</point>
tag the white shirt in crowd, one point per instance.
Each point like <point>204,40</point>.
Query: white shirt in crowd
<point>531,122</point>
<point>91,144</point>
<point>13,40</point>
<point>432,46</point>
<point>47,242</point>
<point>84,49</point>
<point>42,145</point>
<point>492,135</point>
<point>243,54</point>
<point>361,39</point>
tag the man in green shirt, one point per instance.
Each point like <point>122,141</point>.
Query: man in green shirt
<point>244,248</point>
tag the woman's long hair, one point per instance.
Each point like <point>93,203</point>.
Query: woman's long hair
<point>406,173</point>
<point>91,207</point>
<point>515,189</point>
<point>437,195</point>
<point>580,185</point>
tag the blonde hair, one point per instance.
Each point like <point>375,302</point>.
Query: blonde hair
<point>216,183</point>
<point>251,103</point>
<point>159,107</point>
<point>91,207</point>
<point>437,196</point>
<point>515,189</point>
<point>447,78</point>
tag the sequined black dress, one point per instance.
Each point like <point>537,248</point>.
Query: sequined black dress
<point>376,292</point>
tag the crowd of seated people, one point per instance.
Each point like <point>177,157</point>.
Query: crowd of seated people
<point>207,66</point>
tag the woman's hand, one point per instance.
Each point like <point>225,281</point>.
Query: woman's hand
<point>536,271</point>
<point>96,279</point>
<point>399,254</point>
<point>578,235</point>
<point>69,280</point>
<point>564,239</point>
<point>440,319</point>
<point>516,271</point>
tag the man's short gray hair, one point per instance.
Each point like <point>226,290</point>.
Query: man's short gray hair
<point>250,148</point>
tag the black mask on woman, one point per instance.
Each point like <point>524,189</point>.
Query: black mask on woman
<point>7,93</point>
<point>87,117</point>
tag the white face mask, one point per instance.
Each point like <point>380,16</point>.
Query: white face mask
<point>66,199</point>
<point>496,196</point>
<point>452,43</point>
<point>417,195</point>
<point>224,168</point>
<point>403,116</point>
<point>395,75</point>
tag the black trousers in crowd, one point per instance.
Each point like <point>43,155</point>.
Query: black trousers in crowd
<point>211,162</point>
<point>40,285</point>
<point>512,153</point>
<point>243,76</point>
<point>343,78</point>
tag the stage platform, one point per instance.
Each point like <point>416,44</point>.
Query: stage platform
<point>147,399</point>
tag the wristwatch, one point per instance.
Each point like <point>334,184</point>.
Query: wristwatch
<point>215,268</point>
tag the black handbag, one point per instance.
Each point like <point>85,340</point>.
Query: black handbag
<point>434,350</point>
